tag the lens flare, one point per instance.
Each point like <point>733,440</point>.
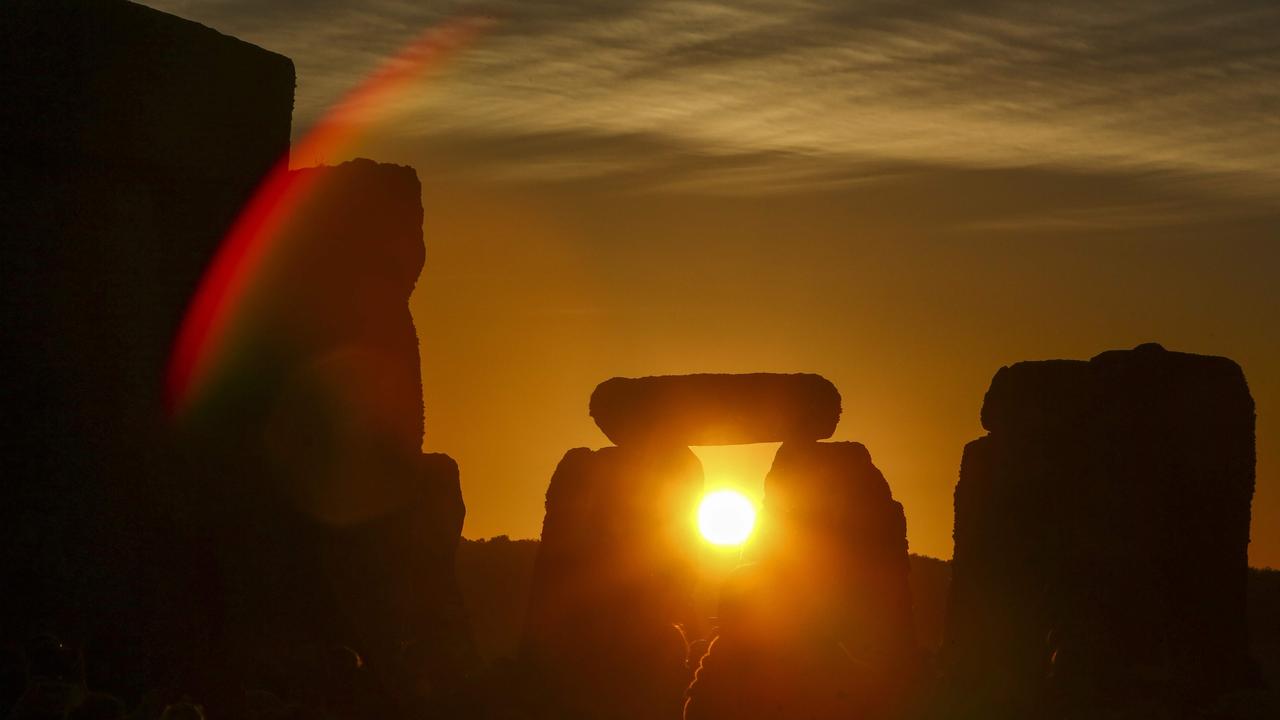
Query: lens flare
<point>201,338</point>
<point>726,517</point>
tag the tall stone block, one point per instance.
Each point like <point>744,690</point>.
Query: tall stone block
<point>820,625</point>
<point>293,508</point>
<point>830,517</point>
<point>1101,534</point>
<point>614,574</point>
<point>129,141</point>
<point>316,420</point>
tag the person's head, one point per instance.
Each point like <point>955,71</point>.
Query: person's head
<point>48,658</point>
<point>183,710</point>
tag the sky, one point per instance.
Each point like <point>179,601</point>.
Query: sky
<point>903,197</point>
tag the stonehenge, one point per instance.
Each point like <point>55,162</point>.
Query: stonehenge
<point>1101,524</point>
<point>616,568</point>
<point>1101,533</point>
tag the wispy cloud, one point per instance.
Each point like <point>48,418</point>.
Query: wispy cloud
<point>803,89</point>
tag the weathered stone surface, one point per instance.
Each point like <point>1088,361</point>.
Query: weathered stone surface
<point>614,574</point>
<point>294,508</point>
<point>712,409</point>
<point>1101,534</point>
<point>121,84</point>
<point>329,309</point>
<point>394,581</point>
<point>821,625</point>
<point>829,515</point>
<point>130,141</point>
<point>321,405</point>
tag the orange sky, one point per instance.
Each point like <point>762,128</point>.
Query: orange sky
<point>902,198</point>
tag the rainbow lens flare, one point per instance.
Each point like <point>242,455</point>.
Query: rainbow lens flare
<point>201,341</point>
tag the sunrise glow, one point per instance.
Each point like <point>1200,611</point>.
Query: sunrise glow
<point>726,517</point>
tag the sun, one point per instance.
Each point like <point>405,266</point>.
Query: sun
<point>726,517</point>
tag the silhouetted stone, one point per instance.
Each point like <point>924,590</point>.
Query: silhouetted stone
<point>293,506</point>
<point>821,625</point>
<point>1101,535</point>
<point>829,515</point>
<point>345,533</point>
<point>394,579</point>
<point>130,139</point>
<point>108,84</point>
<point>614,574</point>
<point>714,409</point>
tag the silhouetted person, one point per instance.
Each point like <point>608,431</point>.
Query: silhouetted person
<point>183,710</point>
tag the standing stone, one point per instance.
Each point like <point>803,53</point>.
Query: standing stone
<point>614,575</point>
<point>295,506</point>
<point>345,531</point>
<point>130,139</point>
<point>829,515</point>
<point>1101,535</point>
<point>821,625</point>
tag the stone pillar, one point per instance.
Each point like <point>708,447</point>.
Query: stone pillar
<point>1101,535</point>
<point>821,624</point>
<point>829,516</point>
<point>320,407</point>
<point>614,576</point>
<point>131,139</point>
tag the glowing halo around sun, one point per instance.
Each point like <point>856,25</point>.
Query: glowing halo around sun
<point>726,517</point>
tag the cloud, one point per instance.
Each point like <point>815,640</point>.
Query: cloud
<point>813,89</point>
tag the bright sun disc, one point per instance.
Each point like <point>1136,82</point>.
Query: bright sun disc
<point>726,517</point>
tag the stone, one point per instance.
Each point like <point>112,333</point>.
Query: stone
<point>131,139</point>
<point>829,515</point>
<point>329,307</point>
<point>820,625</point>
<point>1101,535</point>
<point>321,407</point>
<point>394,581</point>
<point>133,87</point>
<point>614,576</point>
<point>714,409</point>
<point>291,508</point>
